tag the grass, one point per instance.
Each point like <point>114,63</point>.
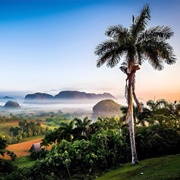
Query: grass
<point>32,138</point>
<point>163,168</point>
<point>24,161</point>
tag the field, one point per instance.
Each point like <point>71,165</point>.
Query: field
<point>22,149</point>
<point>4,127</point>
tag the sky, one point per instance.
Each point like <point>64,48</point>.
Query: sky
<point>48,46</point>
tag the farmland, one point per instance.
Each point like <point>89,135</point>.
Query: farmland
<point>4,127</point>
<point>21,142</point>
<point>21,149</point>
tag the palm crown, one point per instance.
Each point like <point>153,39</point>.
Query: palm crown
<point>136,44</point>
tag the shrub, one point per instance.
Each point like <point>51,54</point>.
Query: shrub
<point>155,141</point>
<point>6,167</point>
<point>38,154</point>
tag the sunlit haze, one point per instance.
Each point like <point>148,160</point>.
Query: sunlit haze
<point>48,46</point>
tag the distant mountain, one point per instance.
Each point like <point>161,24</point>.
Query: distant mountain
<point>75,95</point>
<point>66,96</point>
<point>7,97</point>
<point>38,97</point>
<point>12,105</point>
<point>70,95</point>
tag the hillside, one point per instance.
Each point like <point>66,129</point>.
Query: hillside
<point>106,108</point>
<point>163,168</point>
<point>12,105</point>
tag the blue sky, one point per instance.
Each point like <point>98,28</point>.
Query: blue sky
<point>48,46</point>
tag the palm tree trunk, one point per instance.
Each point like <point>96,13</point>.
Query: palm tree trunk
<point>130,119</point>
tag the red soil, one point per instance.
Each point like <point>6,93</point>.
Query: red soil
<point>21,149</point>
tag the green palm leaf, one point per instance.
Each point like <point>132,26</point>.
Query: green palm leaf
<point>141,21</point>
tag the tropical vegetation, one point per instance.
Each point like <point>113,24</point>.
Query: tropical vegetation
<point>3,151</point>
<point>99,147</point>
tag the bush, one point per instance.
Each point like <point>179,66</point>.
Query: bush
<point>38,154</point>
<point>156,141</point>
<point>6,167</point>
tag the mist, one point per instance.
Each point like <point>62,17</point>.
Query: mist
<point>78,108</point>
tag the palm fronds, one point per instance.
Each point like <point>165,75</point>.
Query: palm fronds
<point>141,21</point>
<point>159,33</point>
<point>109,52</point>
<point>117,33</point>
<point>158,52</point>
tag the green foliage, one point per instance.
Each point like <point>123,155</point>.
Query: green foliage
<point>53,121</point>
<point>164,113</point>
<point>3,145</point>
<point>156,141</point>
<point>158,112</point>
<point>70,130</point>
<point>38,154</point>
<point>31,128</point>
<point>3,142</point>
<point>11,154</point>
<point>106,147</point>
<point>6,167</point>
<point>24,130</point>
<point>81,131</point>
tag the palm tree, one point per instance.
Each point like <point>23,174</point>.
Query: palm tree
<point>12,130</point>
<point>22,123</point>
<point>165,112</point>
<point>81,130</point>
<point>174,110</point>
<point>155,105</point>
<point>136,45</point>
<point>67,130</point>
<point>158,111</point>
